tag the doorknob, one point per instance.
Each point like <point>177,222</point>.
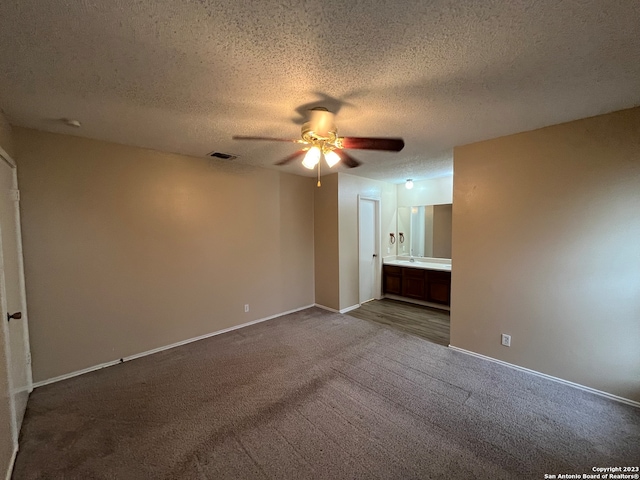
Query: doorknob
<point>16,316</point>
<point>374,255</point>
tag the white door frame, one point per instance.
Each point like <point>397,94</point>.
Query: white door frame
<point>15,428</point>
<point>378,261</point>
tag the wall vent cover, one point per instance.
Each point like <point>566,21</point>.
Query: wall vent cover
<point>223,156</point>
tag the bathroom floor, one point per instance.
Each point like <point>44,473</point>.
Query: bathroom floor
<point>429,323</point>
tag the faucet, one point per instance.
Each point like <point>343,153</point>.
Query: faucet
<point>411,259</point>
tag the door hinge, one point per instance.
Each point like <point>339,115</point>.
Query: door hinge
<point>14,195</point>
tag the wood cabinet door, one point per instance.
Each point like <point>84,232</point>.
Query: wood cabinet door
<point>413,283</point>
<point>439,290</point>
<point>393,284</point>
<point>392,279</point>
<point>439,293</point>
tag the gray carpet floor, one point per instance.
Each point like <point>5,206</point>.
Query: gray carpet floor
<point>317,395</point>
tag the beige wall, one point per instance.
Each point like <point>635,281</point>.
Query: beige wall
<point>442,229</point>
<point>6,136</point>
<point>327,288</point>
<point>336,235</point>
<point>6,442</point>
<point>349,187</point>
<point>128,249</point>
<point>546,248</point>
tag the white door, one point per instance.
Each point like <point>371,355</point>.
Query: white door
<point>12,296</point>
<point>368,248</point>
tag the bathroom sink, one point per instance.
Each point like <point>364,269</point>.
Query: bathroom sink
<point>420,264</point>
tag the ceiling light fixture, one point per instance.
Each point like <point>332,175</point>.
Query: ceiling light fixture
<point>312,158</point>
<point>316,153</point>
<point>320,136</point>
<point>332,158</point>
<point>409,184</point>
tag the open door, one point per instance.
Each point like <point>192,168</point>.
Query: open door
<point>15,356</point>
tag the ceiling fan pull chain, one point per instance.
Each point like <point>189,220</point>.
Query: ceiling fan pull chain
<point>319,163</point>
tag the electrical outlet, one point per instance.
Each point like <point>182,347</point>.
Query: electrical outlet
<point>506,340</point>
<point>246,307</point>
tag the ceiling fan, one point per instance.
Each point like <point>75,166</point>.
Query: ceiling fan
<point>320,137</point>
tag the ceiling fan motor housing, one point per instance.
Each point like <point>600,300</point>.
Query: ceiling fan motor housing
<point>320,127</point>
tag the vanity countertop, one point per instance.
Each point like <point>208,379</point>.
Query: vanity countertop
<point>418,263</point>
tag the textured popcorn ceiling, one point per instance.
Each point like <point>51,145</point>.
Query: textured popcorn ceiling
<point>184,76</point>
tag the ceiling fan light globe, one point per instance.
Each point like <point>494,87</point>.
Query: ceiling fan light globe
<point>331,158</point>
<point>312,158</point>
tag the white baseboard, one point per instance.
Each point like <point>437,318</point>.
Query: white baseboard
<point>549,377</point>
<point>160,349</point>
<point>348,309</point>
<point>326,308</point>
<point>344,310</point>
<point>12,462</point>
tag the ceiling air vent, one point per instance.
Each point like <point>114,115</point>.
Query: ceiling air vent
<point>223,156</point>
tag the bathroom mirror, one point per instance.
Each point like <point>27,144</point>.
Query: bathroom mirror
<point>425,231</point>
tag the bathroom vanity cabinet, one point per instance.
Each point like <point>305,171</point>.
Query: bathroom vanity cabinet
<point>417,283</point>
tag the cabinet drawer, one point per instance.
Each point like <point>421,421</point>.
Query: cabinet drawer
<point>439,277</point>
<point>391,270</point>
<point>413,272</point>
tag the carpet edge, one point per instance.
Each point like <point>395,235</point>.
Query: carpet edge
<point>111,363</point>
<point>610,396</point>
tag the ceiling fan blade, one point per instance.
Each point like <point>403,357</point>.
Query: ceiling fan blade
<point>269,139</point>
<point>292,157</point>
<point>373,143</point>
<point>347,159</point>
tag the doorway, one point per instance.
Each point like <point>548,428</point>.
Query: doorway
<point>15,358</point>
<point>368,248</point>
